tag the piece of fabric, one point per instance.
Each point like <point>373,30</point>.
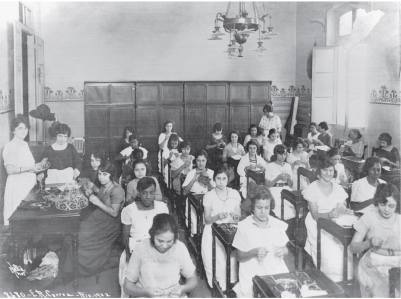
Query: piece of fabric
<point>314,137</point>
<point>357,148</point>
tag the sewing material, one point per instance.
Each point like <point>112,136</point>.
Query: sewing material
<point>71,199</point>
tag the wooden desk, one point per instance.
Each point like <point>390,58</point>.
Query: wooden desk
<point>269,286</point>
<point>296,199</point>
<point>257,176</point>
<point>344,234</point>
<point>26,223</point>
<point>195,242</point>
<point>226,238</point>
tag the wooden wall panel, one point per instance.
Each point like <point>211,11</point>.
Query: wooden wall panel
<point>120,117</point>
<point>147,93</point>
<point>240,118</point>
<point>195,93</point>
<point>217,92</point>
<point>195,129</point>
<point>174,113</point>
<point>96,122</point>
<point>260,92</point>
<point>122,93</point>
<point>147,124</point>
<point>304,111</point>
<point>239,92</point>
<point>91,144</point>
<point>217,114</point>
<point>172,93</point>
<point>256,113</point>
<point>97,94</point>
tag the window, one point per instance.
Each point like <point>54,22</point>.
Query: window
<point>345,24</point>
<point>25,15</point>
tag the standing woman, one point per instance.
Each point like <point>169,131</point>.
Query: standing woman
<point>221,205</point>
<point>164,137</point>
<point>278,176</point>
<point>269,120</point>
<point>63,157</point>
<point>325,138</point>
<point>354,146</point>
<point>216,144</point>
<point>387,153</point>
<point>124,141</point>
<point>298,158</point>
<point>20,166</point>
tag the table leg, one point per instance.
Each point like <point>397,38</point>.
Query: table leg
<point>189,228</point>
<point>198,243</point>
<point>228,271</point>
<point>214,263</point>
<point>16,261</point>
<point>282,208</point>
<point>319,245</point>
<point>345,264</point>
<point>75,260</point>
<point>298,233</point>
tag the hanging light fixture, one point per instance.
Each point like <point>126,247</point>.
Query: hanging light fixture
<point>240,27</point>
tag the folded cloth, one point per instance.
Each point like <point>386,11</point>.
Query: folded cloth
<point>47,269</point>
<point>346,220</point>
<point>55,176</point>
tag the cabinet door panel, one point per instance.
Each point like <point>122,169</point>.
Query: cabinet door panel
<point>217,114</point>
<point>239,92</point>
<point>148,122</point>
<point>217,92</point>
<point>96,122</point>
<point>122,93</point>
<point>174,113</point>
<point>260,92</point>
<point>195,93</point>
<point>147,93</point>
<point>195,122</point>
<point>240,118</point>
<point>97,94</point>
<point>256,113</point>
<point>119,119</point>
<point>172,93</point>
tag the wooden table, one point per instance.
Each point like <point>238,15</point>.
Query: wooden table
<point>26,223</point>
<point>195,242</point>
<point>344,234</point>
<point>269,286</point>
<point>226,238</point>
<point>257,176</point>
<point>296,199</point>
<point>354,163</point>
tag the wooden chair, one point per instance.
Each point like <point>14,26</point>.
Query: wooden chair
<point>180,203</point>
<point>364,150</point>
<point>310,174</point>
<point>79,144</point>
<point>394,280</point>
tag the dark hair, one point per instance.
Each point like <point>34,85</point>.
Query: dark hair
<point>278,149</point>
<point>62,129</point>
<point>313,124</point>
<point>137,154</point>
<point>168,122</point>
<point>234,132</point>
<point>385,137</point>
<point>129,129</point>
<point>297,141</point>
<point>132,137</point>
<point>173,137</point>
<point>18,120</point>
<point>108,167</point>
<point>100,153</point>
<point>324,125</point>
<point>334,151</point>
<point>258,132</point>
<point>145,183</point>
<point>386,190</point>
<point>252,142</point>
<point>263,194</point>
<point>272,131</point>
<point>356,131</point>
<point>217,127</point>
<point>185,143</point>
<point>370,162</point>
<point>268,108</point>
<point>139,161</point>
<point>202,153</point>
<point>323,163</point>
<point>163,223</point>
<point>222,169</point>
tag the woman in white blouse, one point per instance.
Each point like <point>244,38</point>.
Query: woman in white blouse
<point>313,134</point>
<point>269,120</point>
<point>164,137</point>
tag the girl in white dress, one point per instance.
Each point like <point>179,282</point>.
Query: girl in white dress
<point>313,134</point>
<point>221,205</point>
<point>164,137</point>
<point>260,242</point>
<point>20,166</point>
<point>183,164</point>
<point>170,154</point>
<point>278,176</point>
<point>326,199</point>
<point>335,155</point>
<point>268,146</point>
<point>298,158</point>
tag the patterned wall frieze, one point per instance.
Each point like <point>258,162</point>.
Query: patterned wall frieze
<point>290,92</point>
<point>384,96</point>
<point>69,94</point>
<point>6,102</point>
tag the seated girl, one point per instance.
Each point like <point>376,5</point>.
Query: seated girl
<point>232,153</point>
<point>140,172</point>
<point>128,169</point>
<point>221,205</point>
<point>164,137</point>
<point>326,200</point>
<point>250,161</point>
<point>125,154</point>
<point>298,158</point>
<point>355,146</point>
<point>335,155</point>
<point>363,190</point>
<point>216,144</point>
<point>324,138</point>
<point>254,134</point>
<point>157,264</point>
<point>313,134</point>
<point>278,176</point>
<point>137,219</point>
<point>170,154</point>
<point>268,147</point>
<point>98,156</point>
<point>260,242</point>
<point>378,232</point>
<point>387,153</point>
<point>183,164</point>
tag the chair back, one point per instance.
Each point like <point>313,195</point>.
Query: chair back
<point>364,150</point>
<point>394,280</point>
<point>79,144</point>
<point>310,174</point>
<point>374,150</point>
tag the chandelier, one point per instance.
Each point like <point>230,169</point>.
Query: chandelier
<point>241,27</point>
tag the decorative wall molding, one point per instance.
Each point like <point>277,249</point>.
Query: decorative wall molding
<point>70,94</point>
<point>384,96</point>
<point>291,92</point>
<point>6,102</point>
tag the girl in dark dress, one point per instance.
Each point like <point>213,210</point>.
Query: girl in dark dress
<point>387,153</point>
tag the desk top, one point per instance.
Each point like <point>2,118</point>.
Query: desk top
<point>353,159</point>
<point>335,229</point>
<point>225,231</point>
